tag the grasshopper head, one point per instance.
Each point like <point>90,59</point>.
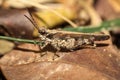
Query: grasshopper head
<point>43,31</point>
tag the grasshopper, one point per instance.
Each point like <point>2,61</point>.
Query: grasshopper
<point>70,41</point>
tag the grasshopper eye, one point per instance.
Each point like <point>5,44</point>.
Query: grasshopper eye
<point>42,31</point>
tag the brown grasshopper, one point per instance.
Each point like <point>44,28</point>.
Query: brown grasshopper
<point>62,40</point>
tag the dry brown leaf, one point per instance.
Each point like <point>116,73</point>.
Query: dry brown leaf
<point>103,62</point>
<point>52,71</point>
<point>16,23</point>
<point>24,54</point>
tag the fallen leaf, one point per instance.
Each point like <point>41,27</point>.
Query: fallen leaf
<point>103,59</point>
<point>103,62</point>
<point>5,46</point>
<point>52,71</point>
<point>16,23</point>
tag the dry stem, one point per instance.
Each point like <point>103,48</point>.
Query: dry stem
<point>40,6</point>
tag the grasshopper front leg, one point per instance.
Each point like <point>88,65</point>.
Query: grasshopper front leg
<point>41,47</point>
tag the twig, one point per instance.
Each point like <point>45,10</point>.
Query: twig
<point>21,40</point>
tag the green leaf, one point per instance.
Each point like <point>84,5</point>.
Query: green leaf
<point>21,40</point>
<point>107,25</point>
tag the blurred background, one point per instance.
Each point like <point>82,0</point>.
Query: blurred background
<point>71,15</point>
<point>84,16</point>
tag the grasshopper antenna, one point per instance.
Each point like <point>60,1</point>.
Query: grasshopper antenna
<point>42,30</point>
<point>33,22</point>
